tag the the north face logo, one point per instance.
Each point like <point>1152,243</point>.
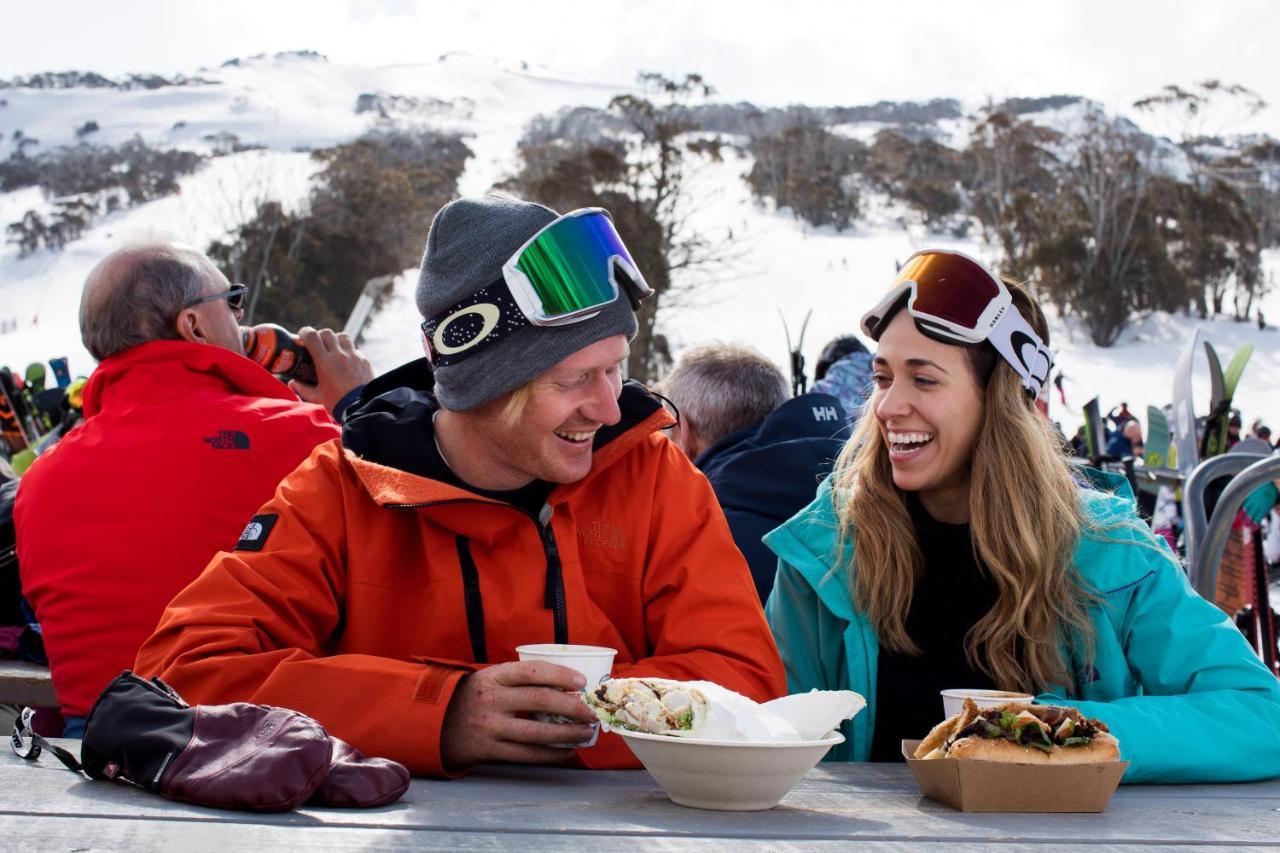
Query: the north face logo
<point>256,532</point>
<point>228,439</point>
<point>604,534</point>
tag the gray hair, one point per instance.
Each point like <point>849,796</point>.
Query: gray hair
<point>721,389</point>
<point>136,294</point>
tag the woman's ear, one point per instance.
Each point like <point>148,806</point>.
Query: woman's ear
<point>189,327</point>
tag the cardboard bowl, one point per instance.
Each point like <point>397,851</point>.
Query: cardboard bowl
<point>726,775</point>
<point>997,786</point>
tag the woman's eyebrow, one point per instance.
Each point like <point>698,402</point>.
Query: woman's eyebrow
<point>913,362</point>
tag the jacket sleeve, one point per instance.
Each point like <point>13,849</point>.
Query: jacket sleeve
<point>254,627</point>
<point>703,617</point>
<point>795,615</point>
<point>1209,710</point>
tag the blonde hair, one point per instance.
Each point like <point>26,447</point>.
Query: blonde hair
<point>1025,523</point>
<point>516,401</point>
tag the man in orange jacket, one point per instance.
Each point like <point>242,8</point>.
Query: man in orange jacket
<point>515,491</point>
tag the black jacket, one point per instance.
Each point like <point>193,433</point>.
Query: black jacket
<point>765,474</point>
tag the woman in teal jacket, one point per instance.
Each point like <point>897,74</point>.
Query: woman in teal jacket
<point>952,547</point>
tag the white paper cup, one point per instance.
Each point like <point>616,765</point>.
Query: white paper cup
<point>594,662</point>
<point>953,700</point>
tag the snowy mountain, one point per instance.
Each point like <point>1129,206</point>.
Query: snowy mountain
<point>293,102</point>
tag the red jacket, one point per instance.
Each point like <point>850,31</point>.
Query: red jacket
<point>181,443</point>
<point>375,589</point>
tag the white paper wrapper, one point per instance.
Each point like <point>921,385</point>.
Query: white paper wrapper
<point>817,712</point>
<point>722,714</point>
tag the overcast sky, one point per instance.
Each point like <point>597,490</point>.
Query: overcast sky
<point>816,52</point>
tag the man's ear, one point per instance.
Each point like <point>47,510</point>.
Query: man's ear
<point>189,326</point>
<point>688,439</point>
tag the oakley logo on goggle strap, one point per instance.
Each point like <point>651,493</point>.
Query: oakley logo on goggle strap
<point>463,329</point>
<point>480,320</point>
<point>1036,361</point>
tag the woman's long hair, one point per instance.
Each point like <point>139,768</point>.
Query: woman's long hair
<point>1025,523</point>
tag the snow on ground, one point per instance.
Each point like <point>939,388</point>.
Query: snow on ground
<point>772,264</point>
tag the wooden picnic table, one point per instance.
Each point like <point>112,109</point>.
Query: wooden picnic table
<point>23,683</point>
<point>876,806</point>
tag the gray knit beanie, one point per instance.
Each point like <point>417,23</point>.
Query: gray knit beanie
<point>469,241</point>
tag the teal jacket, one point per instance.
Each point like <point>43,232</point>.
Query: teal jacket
<point>1171,676</point>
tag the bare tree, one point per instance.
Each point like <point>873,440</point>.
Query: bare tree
<point>1098,245</point>
<point>640,161</point>
<point>1012,183</point>
<point>1223,215</point>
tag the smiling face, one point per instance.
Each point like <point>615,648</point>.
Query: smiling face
<point>551,437</point>
<point>929,407</point>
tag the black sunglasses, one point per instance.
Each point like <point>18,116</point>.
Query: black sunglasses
<point>235,298</point>
<point>670,407</point>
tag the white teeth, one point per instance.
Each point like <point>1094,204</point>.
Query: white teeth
<point>909,437</point>
<point>575,436</point>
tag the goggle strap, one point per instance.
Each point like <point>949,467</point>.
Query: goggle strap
<point>1010,336</point>
<point>27,744</point>
<point>472,325</point>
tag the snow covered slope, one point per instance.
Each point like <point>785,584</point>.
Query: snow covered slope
<point>778,264</point>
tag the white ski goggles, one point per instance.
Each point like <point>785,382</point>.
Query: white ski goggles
<point>955,299</point>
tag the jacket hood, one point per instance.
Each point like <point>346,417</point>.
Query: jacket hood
<point>386,428</point>
<point>170,368</point>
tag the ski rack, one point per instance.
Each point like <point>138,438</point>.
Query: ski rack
<point>1206,540</point>
<point>1170,477</point>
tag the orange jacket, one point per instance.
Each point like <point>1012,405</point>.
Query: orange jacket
<point>363,610</point>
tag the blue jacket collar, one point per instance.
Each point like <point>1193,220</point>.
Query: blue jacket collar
<point>808,541</point>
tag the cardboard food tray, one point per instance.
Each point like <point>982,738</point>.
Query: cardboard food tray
<point>989,786</point>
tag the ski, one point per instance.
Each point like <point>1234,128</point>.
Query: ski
<point>36,377</point>
<point>11,430</point>
<point>1215,428</point>
<point>12,387</point>
<point>799,382</point>
<point>1095,435</point>
<point>1184,413</point>
<point>1157,446</point>
<point>61,374</point>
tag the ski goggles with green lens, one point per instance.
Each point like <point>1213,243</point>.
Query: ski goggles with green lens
<point>569,271</point>
<point>955,299</point>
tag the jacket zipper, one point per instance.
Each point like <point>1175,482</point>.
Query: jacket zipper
<point>472,598</point>
<point>553,598</point>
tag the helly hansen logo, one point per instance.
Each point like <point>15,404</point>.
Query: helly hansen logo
<point>825,413</point>
<point>256,532</point>
<point>227,439</point>
<point>604,534</point>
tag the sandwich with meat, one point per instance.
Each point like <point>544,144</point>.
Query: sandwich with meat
<point>1017,732</point>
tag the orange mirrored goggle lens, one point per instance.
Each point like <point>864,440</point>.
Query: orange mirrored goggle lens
<point>949,287</point>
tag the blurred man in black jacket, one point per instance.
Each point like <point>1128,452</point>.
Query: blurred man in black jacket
<point>763,453</point>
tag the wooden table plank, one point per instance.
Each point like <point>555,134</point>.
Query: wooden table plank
<point>70,833</point>
<point>23,683</point>
<point>836,802</point>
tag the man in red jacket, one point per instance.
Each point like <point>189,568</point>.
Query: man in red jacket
<point>515,491</point>
<point>184,438</point>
